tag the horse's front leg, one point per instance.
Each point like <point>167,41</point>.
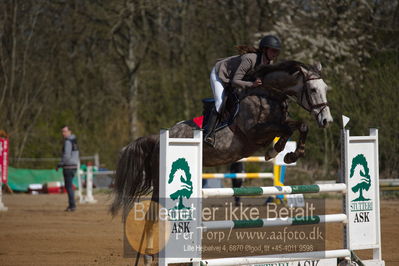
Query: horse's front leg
<point>277,148</point>
<point>292,157</point>
<point>285,132</point>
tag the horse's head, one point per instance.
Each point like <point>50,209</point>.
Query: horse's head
<point>313,95</point>
<point>303,81</point>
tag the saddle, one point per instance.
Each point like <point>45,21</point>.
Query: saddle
<point>229,110</point>
<point>231,107</point>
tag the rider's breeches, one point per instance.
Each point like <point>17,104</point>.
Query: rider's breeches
<point>217,89</point>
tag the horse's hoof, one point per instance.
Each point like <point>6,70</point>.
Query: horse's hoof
<point>290,157</point>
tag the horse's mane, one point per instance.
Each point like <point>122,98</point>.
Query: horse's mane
<point>281,74</point>
<point>290,67</point>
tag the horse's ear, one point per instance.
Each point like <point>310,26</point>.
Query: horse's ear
<point>318,66</point>
<point>303,70</point>
<point>297,74</point>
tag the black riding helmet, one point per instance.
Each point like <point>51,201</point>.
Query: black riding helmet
<point>270,41</point>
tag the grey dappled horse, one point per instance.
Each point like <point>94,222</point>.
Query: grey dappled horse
<point>262,117</point>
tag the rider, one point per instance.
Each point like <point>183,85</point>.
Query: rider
<point>230,72</point>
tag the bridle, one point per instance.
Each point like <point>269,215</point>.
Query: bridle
<point>305,93</point>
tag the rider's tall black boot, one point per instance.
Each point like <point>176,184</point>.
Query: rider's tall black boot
<point>210,128</point>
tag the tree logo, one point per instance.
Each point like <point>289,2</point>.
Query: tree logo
<point>180,175</point>
<point>363,173</point>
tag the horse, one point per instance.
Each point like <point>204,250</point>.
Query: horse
<point>262,116</point>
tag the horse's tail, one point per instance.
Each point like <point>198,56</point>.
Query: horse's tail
<point>133,178</point>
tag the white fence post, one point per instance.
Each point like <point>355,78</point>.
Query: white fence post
<point>180,194</point>
<point>89,185</point>
<point>79,173</point>
<point>2,207</point>
<point>97,160</point>
<point>361,173</point>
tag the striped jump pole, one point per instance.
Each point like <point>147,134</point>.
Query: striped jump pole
<point>235,224</point>
<point>270,191</point>
<point>255,159</point>
<point>238,175</point>
<point>389,184</point>
<point>316,255</point>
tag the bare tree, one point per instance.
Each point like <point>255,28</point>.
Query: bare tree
<point>131,42</point>
<point>23,77</point>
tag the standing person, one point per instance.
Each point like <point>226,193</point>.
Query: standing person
<point>69,163</point>
<point>234,71</point>
<point>237,167</point>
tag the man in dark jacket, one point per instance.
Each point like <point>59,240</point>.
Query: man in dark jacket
<point>69,163</point>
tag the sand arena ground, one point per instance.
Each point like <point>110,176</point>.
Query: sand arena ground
<point>36,231</point>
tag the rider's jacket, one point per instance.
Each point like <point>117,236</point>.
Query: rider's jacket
<point>234,70</point>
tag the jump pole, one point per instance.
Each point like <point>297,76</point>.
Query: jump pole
<point>271,191</point>
<point>252,159</point>
<point>317,219</point>
<point>238,175</point>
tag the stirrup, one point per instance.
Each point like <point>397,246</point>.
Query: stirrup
<point>210,139</point>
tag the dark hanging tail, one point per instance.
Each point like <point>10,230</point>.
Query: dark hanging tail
<point>133,177</point>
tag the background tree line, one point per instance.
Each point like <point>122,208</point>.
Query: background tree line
<point>116,70</point>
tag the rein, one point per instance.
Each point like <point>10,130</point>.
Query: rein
<point>304,94</point>
<point>281,96</point>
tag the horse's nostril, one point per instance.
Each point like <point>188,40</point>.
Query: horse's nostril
<point>325,122</point>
